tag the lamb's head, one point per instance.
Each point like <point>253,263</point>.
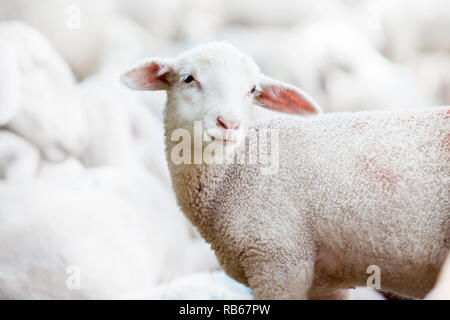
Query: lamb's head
<point>217,85</point>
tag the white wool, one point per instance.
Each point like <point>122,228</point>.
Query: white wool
<point>199,286</point>
<point>19,160</point>
<point>46,112</point>
<point>105,221</point>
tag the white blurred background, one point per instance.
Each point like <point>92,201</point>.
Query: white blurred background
<point>86,207</point>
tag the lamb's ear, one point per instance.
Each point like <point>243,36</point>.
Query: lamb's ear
<point>279,96</point>
<point>150,74</point>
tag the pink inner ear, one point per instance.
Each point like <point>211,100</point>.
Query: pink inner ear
<point>285,100</point>
<point>150,77</point>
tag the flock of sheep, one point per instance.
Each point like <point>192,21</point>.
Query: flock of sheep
<point>86,205</point>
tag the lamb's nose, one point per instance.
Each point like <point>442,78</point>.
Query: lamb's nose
<point>227,124</point>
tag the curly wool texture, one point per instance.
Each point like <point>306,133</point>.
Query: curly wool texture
<point>352,190</point>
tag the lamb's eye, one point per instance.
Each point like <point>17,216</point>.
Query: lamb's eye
<point>253,89</point>
<point>189,79</point>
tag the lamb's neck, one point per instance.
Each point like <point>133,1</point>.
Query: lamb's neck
<point>195,187</point>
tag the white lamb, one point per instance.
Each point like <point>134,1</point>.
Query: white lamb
<point>351,190</point>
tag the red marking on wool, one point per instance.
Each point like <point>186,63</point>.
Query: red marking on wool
<point>446,143</point>
<point>358,125</point>
<point>445,113</point>
<point>384,175</point>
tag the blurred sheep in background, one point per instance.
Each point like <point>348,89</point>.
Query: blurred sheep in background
<point>44,109</point>
<point>83,179</point>
<point>111,220</point>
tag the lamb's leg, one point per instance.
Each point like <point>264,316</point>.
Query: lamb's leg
<point>281,263</point>
<point>281,279</point>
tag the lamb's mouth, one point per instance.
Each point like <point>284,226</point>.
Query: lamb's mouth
<point>222,141</point>
<point>221,138</point>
